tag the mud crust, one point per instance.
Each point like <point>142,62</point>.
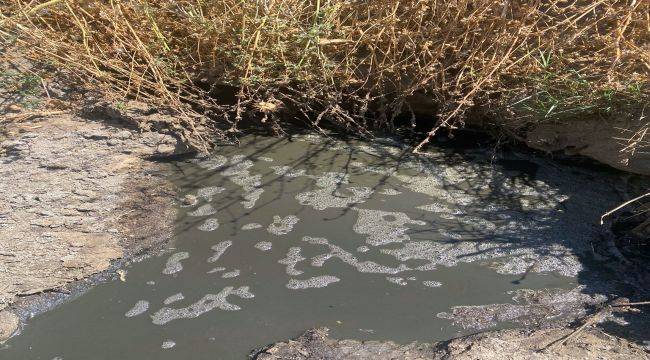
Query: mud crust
<point>80,199</point>
<point>506,344</point>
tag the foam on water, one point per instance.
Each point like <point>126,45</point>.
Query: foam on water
<point>173,298</point>
<point>390,192</point>
<point>291,260</point>
<point>288,171</point>
<point>209,191</point>
<point>531,307</point>
<point>383,227</point>
<point>313,282</point>
<point>211,224</point>
<point>140,307</point>
<point>332,194</point>
<point>203,210</point>
<point>211,162</point>
<point>508,257</point>
<point>239,173</point>
<point>397,280</point>
<point>432,284</point>
<point>216,270</point>
<point>168,344</point>
<point>264,245</point>
<point>219,250</point>
<point>231,274</point>
<point>347,257</point>
<point>282,226</point>
<point>173,264</point>
<point>207,303</point>
<point>251,226</point>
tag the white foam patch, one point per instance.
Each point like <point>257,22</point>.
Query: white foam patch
<point>140,307</point>
<point>288,171</point>
<point>168,344</point>
<point>383,227</point>
<point>433,284</point>
<point>331,193</point>
<point>291,260</point>
<point>208,303</point>
<point>251,226</point>
<point>264,245</point>
<point>396,280</point>
<point>348,258</point>
<point>211,162</point>
<point>381,170</point>
<point>203,210</point>
<point>440,208</point>
<point>173,264</point>
<point>390,192</point>
<point>506,257</point>
<point>216,270</point>
<point>231,274</point>
<point>173,298</point>
<point>313,282</point>
<point>208,192</point>
<point>219,250</point>
<point>282,226</point>
<point>363,249</point>
<point>209,225</point>
<point>238,172</point>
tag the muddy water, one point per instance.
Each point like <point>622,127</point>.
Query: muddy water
<point>285,235</point>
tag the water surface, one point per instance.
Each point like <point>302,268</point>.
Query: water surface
<point>288,234</point>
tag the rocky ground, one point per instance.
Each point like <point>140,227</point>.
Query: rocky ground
<point>77,194</point>
<point>506,344</point>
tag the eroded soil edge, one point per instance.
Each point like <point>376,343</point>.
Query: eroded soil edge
<point>77,195</point>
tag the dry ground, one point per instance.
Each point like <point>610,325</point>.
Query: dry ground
<point>74,193</point>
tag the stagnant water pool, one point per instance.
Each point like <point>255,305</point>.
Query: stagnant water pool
<point>363,238</point>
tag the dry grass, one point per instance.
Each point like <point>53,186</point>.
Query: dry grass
<point>353,64</point>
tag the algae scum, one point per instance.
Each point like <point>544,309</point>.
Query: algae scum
<point>280,235</point>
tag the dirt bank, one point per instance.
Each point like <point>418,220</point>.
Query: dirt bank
<point>506,344</point>
<point>76,195</point>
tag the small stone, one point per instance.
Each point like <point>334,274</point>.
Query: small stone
<point>85,208</point>
<point>95,135</point>
<point>123,135</point>
<point>165,149</point>
<point>189,200</point>
<point>14,108</point>
<point>113,142</point>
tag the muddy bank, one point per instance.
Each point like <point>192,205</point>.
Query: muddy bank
<point>505,344</point>
<point>76,195</point>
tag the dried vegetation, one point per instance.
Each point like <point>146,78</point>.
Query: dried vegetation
<point>356,65</point>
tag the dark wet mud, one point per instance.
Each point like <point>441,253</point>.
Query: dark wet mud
<point>276,236</point>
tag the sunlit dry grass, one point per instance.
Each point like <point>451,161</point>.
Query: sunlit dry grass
<point>352,64</point>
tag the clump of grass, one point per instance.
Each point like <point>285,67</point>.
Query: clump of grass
<point>357,65</point>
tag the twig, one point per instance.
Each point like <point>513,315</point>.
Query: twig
<point>639,303</point>
<point>572,335</point>
<point>602,218</point>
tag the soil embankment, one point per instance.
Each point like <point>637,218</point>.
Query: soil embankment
<point>76,195</point>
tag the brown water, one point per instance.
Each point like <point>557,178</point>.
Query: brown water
<point>358,237</point>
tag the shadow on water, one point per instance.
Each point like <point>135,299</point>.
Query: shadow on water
<point>584,203</point>
<point>480,227</point>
